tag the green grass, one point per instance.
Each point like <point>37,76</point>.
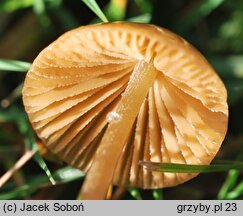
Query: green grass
<point>13,65</point>
<point>135,193</point>
<point>96,9</point>
<point>61,176</point>
<point>229,184</point>
<point>221,166</point>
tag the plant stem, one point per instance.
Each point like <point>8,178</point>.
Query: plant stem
<point>22,161</point>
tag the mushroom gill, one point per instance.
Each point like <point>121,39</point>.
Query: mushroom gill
<point>104,97</point>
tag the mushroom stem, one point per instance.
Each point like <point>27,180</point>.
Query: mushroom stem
<point>121,121</point>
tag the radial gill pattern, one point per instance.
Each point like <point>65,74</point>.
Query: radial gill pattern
<point>74,86</point>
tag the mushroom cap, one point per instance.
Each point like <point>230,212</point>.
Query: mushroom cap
<point>74,85</point>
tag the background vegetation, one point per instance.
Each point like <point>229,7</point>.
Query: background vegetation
<point>215,27</point>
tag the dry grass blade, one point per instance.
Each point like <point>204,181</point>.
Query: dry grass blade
<point>21,162</point>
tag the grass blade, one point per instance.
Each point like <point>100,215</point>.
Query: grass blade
<point>157,194</point>
<point>236,193</point>
<point>63,175</point>
<point>13,65</point>
<point>30,143</point>
<point>144,18</point>
<point>21,162</point>
<point>228,184</point>
<point>13,5</point>
<point>40,10</point>
<point>42,164</point>
<point>20,118</point>
<point>116,10</point>
<point>96,9</point>
<point>135,193</point>
<point>182,168</point>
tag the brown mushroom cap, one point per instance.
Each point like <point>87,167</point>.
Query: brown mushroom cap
<point>75,85</point>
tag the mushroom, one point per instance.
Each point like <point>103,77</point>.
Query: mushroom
<point>104,97</point>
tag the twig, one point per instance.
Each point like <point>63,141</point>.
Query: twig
<point>22,161</point>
